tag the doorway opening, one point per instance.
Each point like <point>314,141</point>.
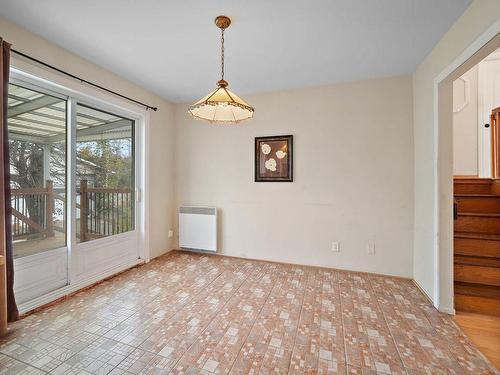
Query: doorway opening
<point>458,257</point>
<point>476,187</point>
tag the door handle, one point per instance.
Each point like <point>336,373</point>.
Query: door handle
<point>486,126</point>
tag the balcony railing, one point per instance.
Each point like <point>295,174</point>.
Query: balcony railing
<point>101,212</point>
<point>32,212</point>
<point>104,211</point>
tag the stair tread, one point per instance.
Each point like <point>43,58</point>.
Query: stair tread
<point>481,236</point>
<point>477,195</point>
<point>473,180</point>
<point>485,214</point>
<point>477,261</point>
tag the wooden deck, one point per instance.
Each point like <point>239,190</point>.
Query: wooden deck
<point>34,246</point>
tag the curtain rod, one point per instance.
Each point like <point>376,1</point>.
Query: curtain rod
<point>83,80</point>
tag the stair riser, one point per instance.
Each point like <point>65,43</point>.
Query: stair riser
<point>478,204</point>
<point>478,224</point>
<point>477,274</point>
<point>495,187</point>
<point>479,188</point>
<point>477,247</point>
<point>487,291</point>
<point>477,261</point>
<point>478,305</point>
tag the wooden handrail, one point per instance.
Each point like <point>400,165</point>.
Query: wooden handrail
<point>107,190</point>
<point>32,191</point>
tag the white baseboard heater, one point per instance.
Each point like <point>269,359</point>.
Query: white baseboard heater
<point>198,228</point>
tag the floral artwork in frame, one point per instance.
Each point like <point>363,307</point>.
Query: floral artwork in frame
<point>274,159</point>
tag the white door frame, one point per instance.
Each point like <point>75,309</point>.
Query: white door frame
<point>443,297</point>
<point>34,77</point>
<point>484,138</point>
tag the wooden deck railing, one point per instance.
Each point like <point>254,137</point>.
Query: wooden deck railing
<point>32,211</point>
<point>102,211</point>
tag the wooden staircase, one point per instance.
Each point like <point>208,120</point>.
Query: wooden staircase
<point>477,245</point>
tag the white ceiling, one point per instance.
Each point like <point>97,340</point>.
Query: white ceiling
<point>172,47</point>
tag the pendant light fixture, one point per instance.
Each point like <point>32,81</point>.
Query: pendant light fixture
<point>221,106</point>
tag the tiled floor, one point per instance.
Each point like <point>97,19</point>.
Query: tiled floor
<point>196,314</point>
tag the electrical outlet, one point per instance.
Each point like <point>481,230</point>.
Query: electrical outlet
<point>170,233</point>
<point>371,248</point>
<point>335,246</point>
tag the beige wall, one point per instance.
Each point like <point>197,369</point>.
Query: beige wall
<point>356,161</point>
<point>161,164</point>
<point>465,129</point>
<point>353,176</point>
<point>478,17</point>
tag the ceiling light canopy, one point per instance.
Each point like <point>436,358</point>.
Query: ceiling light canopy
<point>221,106</point>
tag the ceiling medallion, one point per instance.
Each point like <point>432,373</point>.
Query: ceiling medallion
<point>221,106</point>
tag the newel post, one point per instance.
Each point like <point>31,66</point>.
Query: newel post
<point>83,210</point>
<point>495,140</point>
<point>49,212</point>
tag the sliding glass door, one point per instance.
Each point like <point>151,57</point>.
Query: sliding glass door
<point>37,125</point>
<point>104,174</point>
<point>57,145</point>
<point>37,148</point>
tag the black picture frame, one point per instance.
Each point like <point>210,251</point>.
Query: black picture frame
<point>268,175</point>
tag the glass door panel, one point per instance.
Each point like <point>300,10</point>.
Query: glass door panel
<point>37,148</point>
<point>37,130</point>
<point>105,174</point>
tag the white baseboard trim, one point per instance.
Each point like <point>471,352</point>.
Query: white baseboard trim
<point>68,289</point>
<point>422,290</point>
<point>447,310</point>
<point>295,264</point>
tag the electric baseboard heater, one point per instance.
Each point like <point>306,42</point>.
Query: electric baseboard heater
<point>198,228</point>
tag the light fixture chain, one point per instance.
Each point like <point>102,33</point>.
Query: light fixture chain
<point>222,53</point>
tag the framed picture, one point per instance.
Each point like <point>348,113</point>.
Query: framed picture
<point>274,159</point>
